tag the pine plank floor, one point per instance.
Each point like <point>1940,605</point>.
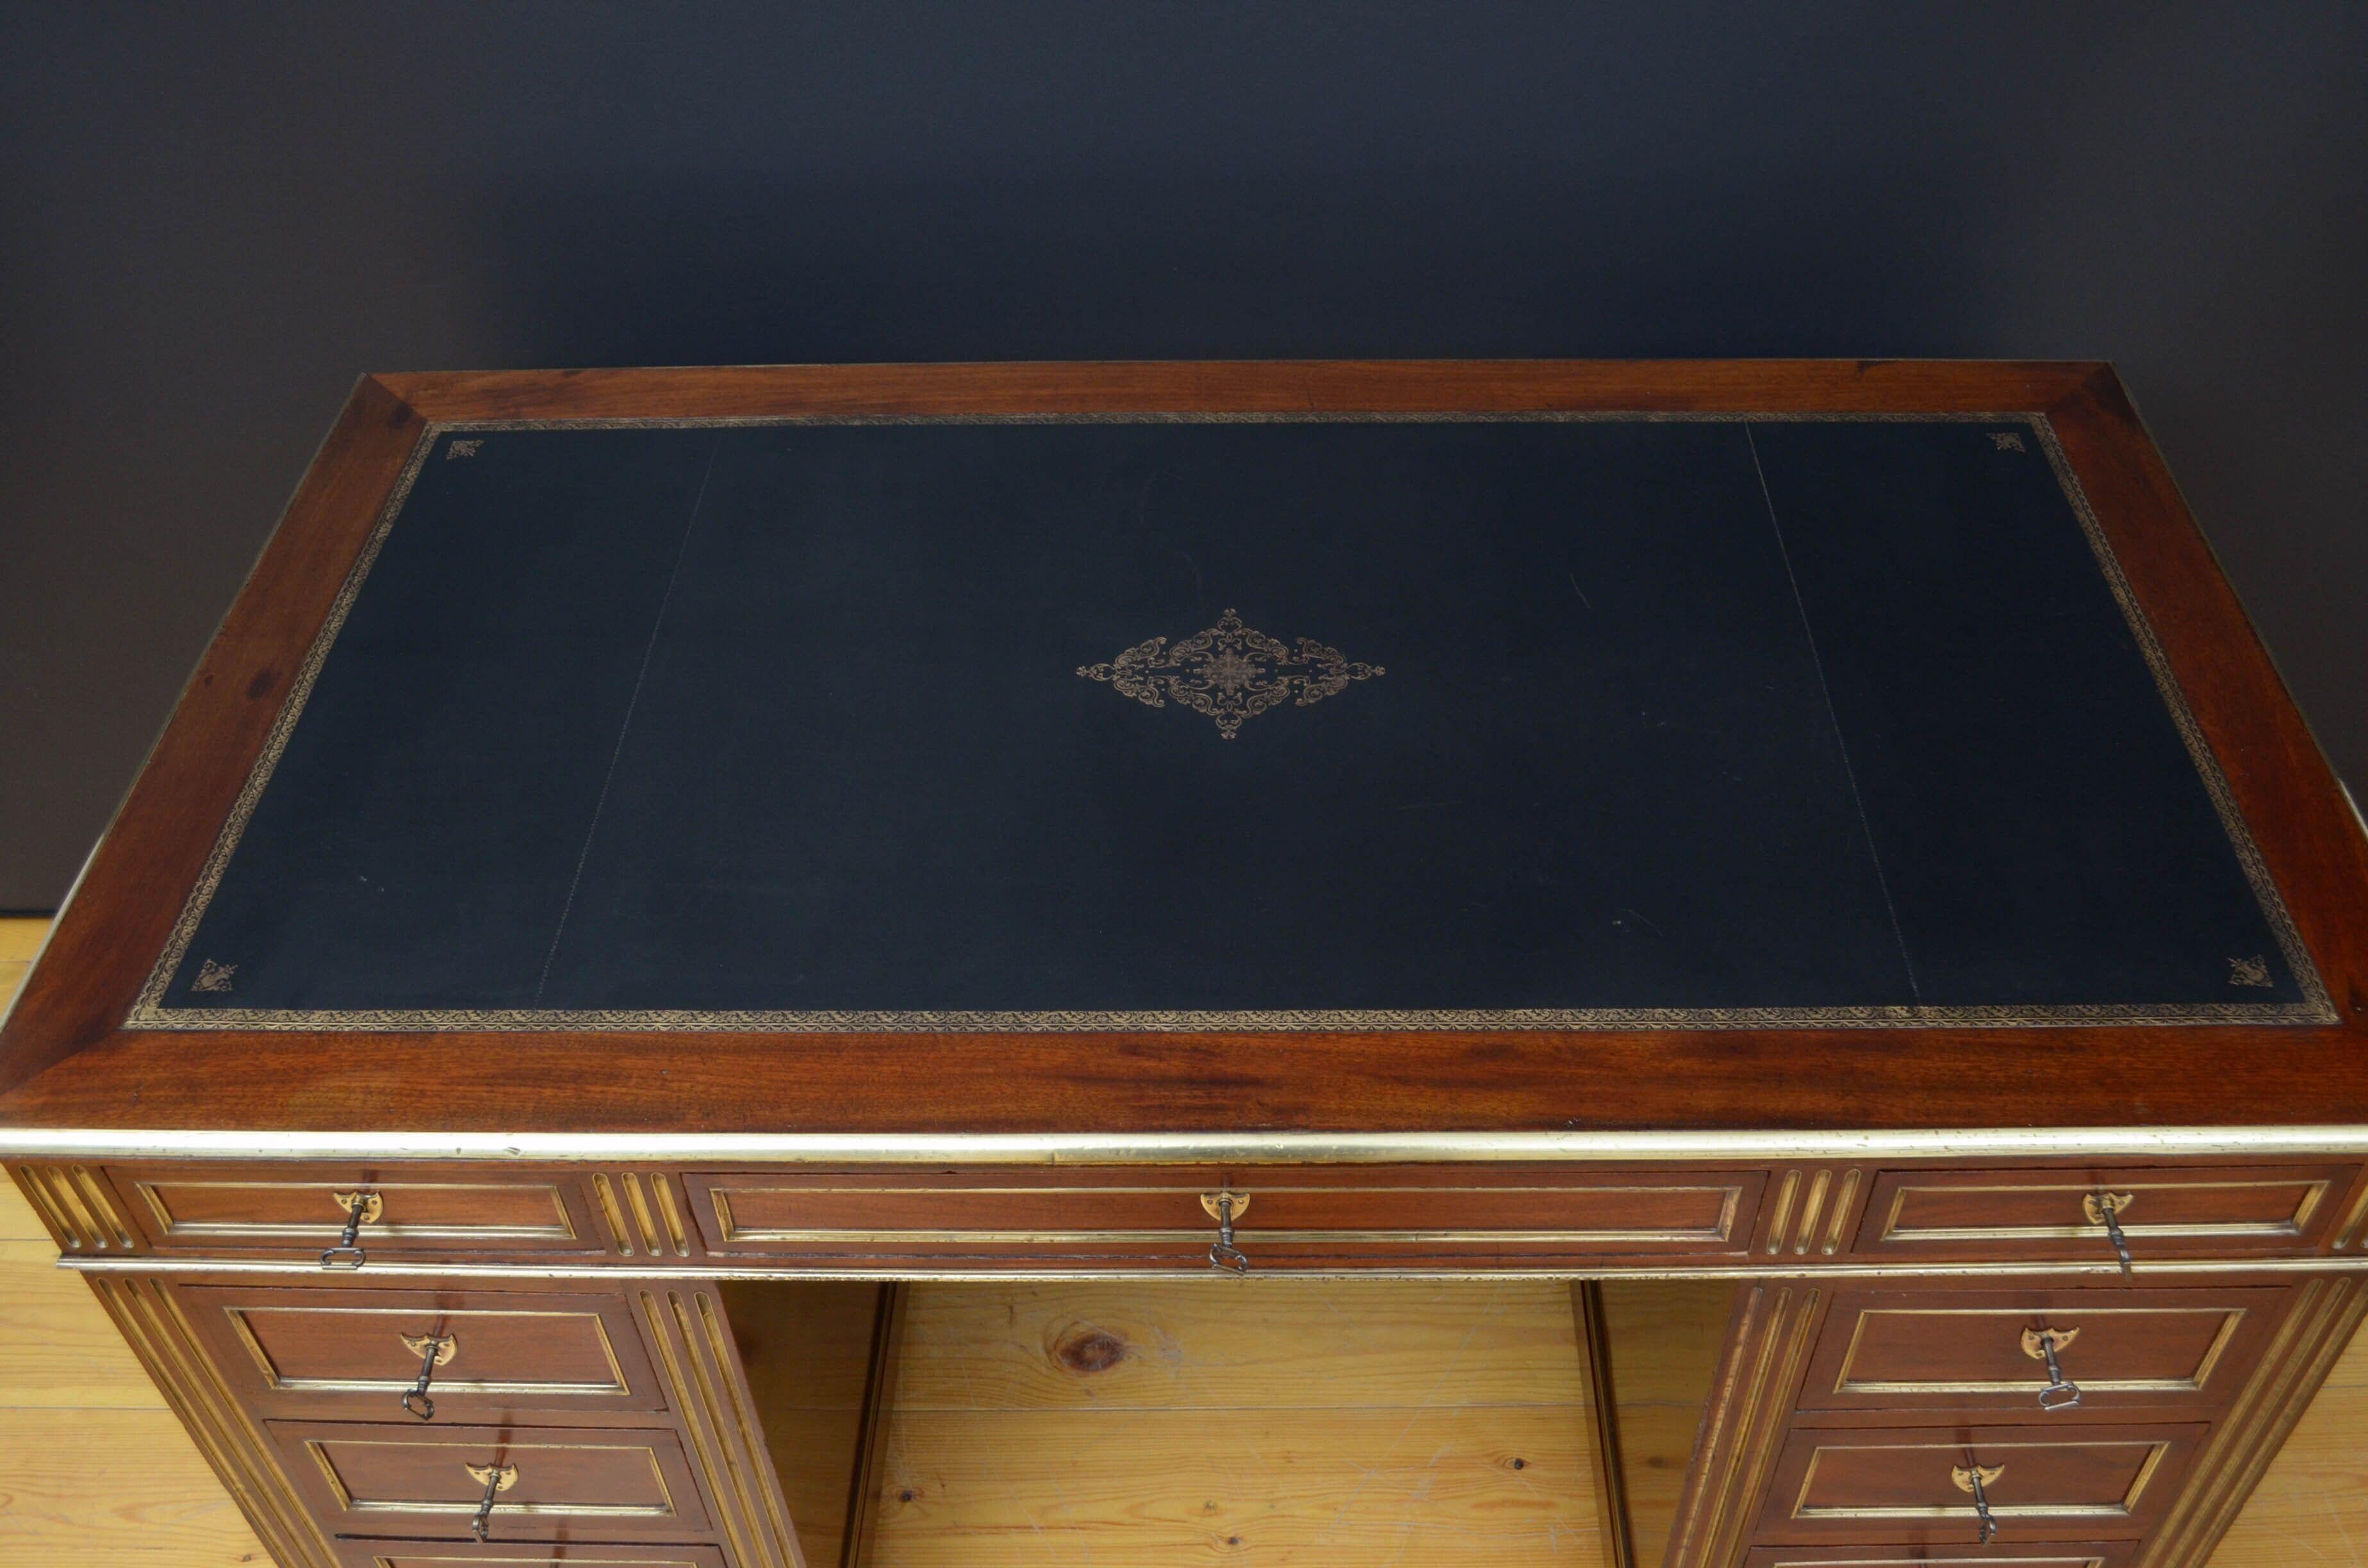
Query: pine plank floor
<point>95,1470</point>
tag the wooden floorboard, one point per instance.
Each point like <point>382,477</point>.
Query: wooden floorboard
<point>95,1470</point>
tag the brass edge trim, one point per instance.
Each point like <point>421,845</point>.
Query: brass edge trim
<point>1921,1146</point>
<point>1611,1513</point>
<point>161,1337</point>
<point>606,1201</point>
<point>694,1401</point>
<point>80,1222</point>
<point>1188,1267</point>
<point>1842,1202</point>
<point>1271,1237</point>
<point>2348,1234</point>
<point>1710,1479</point>
<point>101,1205</point>
<point>1810,1213</point>
<point>2316,1005</point>
<point>2247,1441</point>
<point>1780,1211</point>
<point>663,1183</point>
<point>1775,1412</point>
<point>759,1484</point>
<point>645,1226</point>
<point>69,1236</point>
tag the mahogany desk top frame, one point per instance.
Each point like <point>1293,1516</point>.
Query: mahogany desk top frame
<point>1932,1152</point>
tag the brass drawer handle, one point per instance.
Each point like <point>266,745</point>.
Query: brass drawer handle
<point>2041,1345</point>
<point>361,1208</point>
<point>434,1351</point>
<point>496,1479</point>
<point>2106,1209</point>
<point>1977,1479</point>
<point>1223,1207</point>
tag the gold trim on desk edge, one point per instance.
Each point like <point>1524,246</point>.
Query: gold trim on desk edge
<point>1183,1265</point>
<point>1916,1147</point>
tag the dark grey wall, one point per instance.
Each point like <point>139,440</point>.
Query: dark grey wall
<point>214,217</point>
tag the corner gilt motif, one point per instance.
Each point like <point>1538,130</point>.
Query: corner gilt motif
<point>1230,673</point>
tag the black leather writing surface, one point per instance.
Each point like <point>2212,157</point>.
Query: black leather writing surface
<point>919,724</point>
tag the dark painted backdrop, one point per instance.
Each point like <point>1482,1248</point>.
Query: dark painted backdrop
<point>214,217</point>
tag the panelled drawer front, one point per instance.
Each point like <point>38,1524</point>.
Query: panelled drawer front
<point>2041,1214</point>
<point>455,1209</point>
<point>519,1554</point>
<point>591,1484</point>
<point>2088,1554</point>
<point>1155,1214</point>
<point>1951,1352</point>
<point>2068,1482</point>
<point>343,1353</point>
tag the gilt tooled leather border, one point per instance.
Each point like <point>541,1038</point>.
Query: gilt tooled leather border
<point>2315,1007</point>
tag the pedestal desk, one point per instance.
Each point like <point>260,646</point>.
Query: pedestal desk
<point>645,843</point>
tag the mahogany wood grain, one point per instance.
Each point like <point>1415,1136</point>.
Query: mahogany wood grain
<point>66,1061</point>
<point>1948,1353</point>
<point>2038,1213</point>
<point>339,1354</point>
<point>606,1483</point>
<point>227,1210</point>
<point>2089,1483</point>
<point>1312,1214</point>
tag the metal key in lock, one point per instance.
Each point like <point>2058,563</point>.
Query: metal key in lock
<point>1226,1208</point>
<point>2041,1345</point>
<point>1979,1479</point>
<point>361,1207</point>
<point>434,1350</point>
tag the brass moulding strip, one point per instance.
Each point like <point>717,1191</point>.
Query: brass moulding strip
<point>2245,1441</point>
<point>2314,1193</point>
<point>1842,1204</point>
<point>2350,1234</point>
<point>161,1337</point>
<point>1089,1266</point>
<point>77,1208</point>
<point>1911,1146</point>
<point>1768,1343</point>
<point>1943,1453</point>
<point>606,1200</point>
<point>2097,1317</point>
<point>694,1356</point>
<point>240,1319</point>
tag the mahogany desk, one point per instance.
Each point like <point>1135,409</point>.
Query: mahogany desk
<point>1825,827</point>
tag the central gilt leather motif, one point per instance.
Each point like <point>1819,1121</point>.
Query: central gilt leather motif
<point>1230,673</point>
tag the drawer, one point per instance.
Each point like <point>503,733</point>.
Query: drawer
<point>2088,1554</point>
<point>1154,1215</point>
<point>519,1554</point>
<point>266,1208</point>
<point>354,1354</point>
<point>594,1483</point>
<point>2055,1214</point>
<point>1971,1352</point>
<point>2069,1482</point>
